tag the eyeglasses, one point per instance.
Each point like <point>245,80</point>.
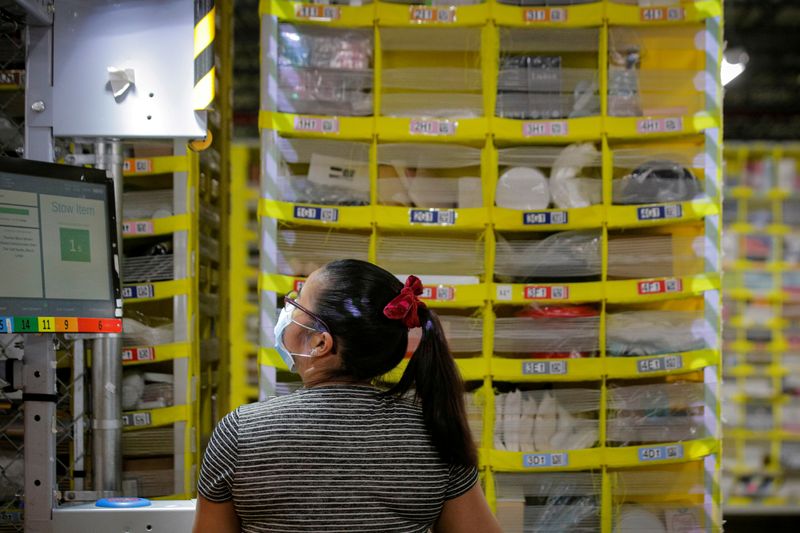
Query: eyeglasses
<point>291,298</point>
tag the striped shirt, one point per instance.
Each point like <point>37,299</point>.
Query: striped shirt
<point>337,458</point>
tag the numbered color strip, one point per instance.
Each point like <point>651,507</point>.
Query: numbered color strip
<point>59,324</point>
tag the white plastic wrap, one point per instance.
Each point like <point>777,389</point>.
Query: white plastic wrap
<point>323,171</point>
<point>569,254</point>
<point>542,74</point>
<point>652,413</point>
<point>642,83</point>
<point>464,334</point>
<point>552,502</point>
<point>649,256</point>
<point>324,70</point>
<point>544,336</point>
<point>147,204</point>
<point>653,175</point>
<point>137,333</point>
<point>302,251</point>
<point>538,421</point>
<point>453,91</point>
<point>451,255</point>
<point>147,268</point>
<point>574,176</point>
<point>429,175</point>
<point>474,402</point>
<point>648,332</point>
<point>671,500</point>
<point>146,390</point>
<point>148,442</point>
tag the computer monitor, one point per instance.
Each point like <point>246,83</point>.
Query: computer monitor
<point>59,263</point>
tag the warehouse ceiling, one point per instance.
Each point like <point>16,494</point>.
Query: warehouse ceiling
<point>762,103</point>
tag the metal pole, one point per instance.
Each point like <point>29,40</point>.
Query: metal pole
<point>107,365</point>
<point>39,393</point>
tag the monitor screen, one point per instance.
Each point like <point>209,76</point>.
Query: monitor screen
<point>57,247</point>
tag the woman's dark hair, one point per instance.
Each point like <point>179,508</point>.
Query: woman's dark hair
<point>351,300</point>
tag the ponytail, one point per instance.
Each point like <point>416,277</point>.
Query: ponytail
<point>370,312</point>
<point>433,374</point>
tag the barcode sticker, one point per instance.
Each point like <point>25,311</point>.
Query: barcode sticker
<point>544,128</point>
<point>659,364</point>
<point>316,125</point>
<point>504,293</point>
<point>545,218</point>
<point>132,355</point>
<point>540,15</point>
<point>659,212</point>
<point>647,126</point>
<point>659,286</point>
<point>432,127</point>
<point>135,166</point>
<point>322,214</point>
<point>544,460</point>
<point>317,12</point>
<point>423,14</point>
<point>137,419</point>
<point>662,14</point>
<point>544,368</point>
<point>438,293</point>
<point>137,227</point>
<point>660,453</point>
<point>546,292</point>
<point>139,291</point>
<point>444,217</point>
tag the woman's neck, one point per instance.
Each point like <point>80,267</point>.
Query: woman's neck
<point>327,382</point>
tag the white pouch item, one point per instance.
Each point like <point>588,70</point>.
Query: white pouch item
<point>567,189</point>
<point>545,423</point>
<point>528,423</point>
<point>132,390</point>
<point>564,427</point>
<point>499,409</point>
<point>469,193</point>
<point>523,188</point>
<point>511,419</point>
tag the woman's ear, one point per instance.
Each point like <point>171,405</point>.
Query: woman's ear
<point>324,345</point>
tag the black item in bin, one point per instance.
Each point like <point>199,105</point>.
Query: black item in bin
<point>657,182</point>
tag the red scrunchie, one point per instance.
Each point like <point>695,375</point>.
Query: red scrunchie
<point>406,305</point>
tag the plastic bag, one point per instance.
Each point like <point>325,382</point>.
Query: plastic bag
<point>568,254</point>
<point>657,181</point>
<point>638,333</point>
<point>567,189</point>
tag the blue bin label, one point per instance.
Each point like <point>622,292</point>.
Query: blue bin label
<point>6,324</point>
<point>323,214</point>
<point>659,212</point>
<point>660,453</point>
<point>444,217</point>
<point>544,218</point>
<point>138,291</point>
<point>544,460</point>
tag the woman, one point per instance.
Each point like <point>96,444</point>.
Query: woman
<point>341,455</point>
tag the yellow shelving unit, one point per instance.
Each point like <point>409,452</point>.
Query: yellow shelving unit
<point>161,344</point>
<point>762,196</point>
<point>462,122</point>
<point>243,276</point>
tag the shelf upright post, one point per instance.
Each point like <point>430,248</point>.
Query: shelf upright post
<point>269,173</point>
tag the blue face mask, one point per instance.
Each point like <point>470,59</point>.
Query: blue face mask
<point>284,319</point>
